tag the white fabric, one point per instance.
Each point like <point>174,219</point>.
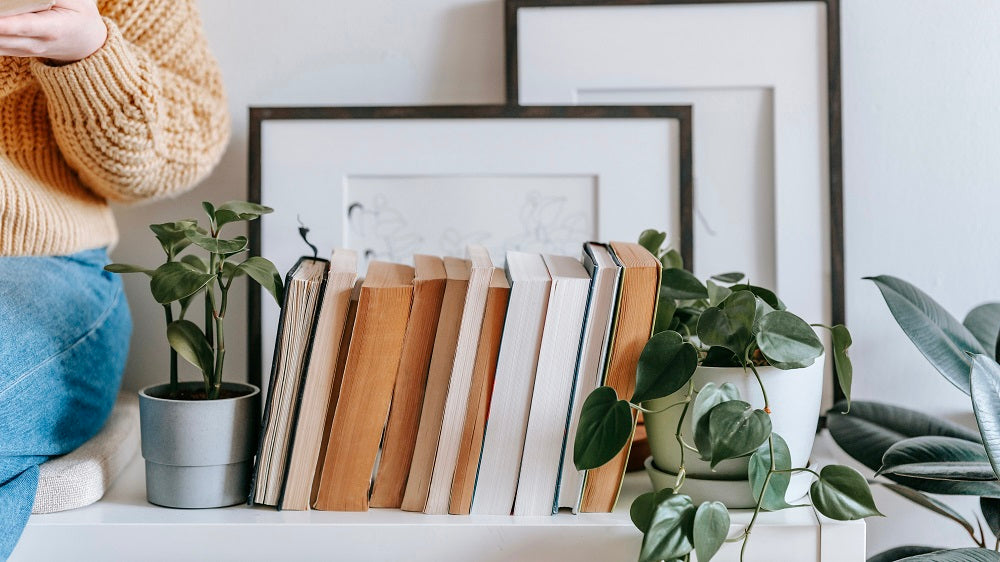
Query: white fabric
<point>82,477</point>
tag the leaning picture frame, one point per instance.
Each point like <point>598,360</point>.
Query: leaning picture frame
<point>763,79</point>
<point>393,181</point>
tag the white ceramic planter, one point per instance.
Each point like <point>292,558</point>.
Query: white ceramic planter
<point>795,397</point>
<point>734,494</point>
<point>199,453</point>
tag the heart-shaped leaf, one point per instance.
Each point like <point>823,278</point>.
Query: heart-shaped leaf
<point>842,362</point>
<point>717,293</point>
<point>665,309</point>
<point>930,503</point>
<point>736,429</point>
<point>938,458</point>
<point>127,268</point>
<point>682,285</point>
<point>234,211</point>
<point>605,427</point>
<point>730,324</point>
<point>670,530</point>
<point>841,493</point>
<point>939,337</point>
<point>991,513</point>
<point>711,525</point>
<point>189,342</point>
<point>672,260</point>
<point>652,240</point>
<point>709,397</point>
<point>902,552</point>
<point>730,278</point>
<point>643,507</point>
<point>263,271</point>
<point>957,555</point>
<point>985,387</point>
<point>787,341</point>
<point>762,310</point>
<point>665,366</point>
<point>766,295</point>
<point>720,357</point>
<point>218,245</point>
<point>173,235</point>
<point>175,280</point>
<point>984,323</point>
<point>760,465</point>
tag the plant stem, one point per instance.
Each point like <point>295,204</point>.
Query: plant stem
<point>678,434</point>
<point>792,470</point>
<point>645,411</point>
<point>220,349</point>
<point>169,313</point>
<point>756,511</point>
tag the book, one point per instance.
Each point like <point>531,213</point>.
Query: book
<point>17,7</point>
<point>314,395</point>
<point>305,284</point>
<point>640,287</point>
<point>369,377</point>
<point>503,442</point>
<point>411,380</point>
<point>438,375</point>
<point>553,387</point>
<point>477,409</point>
<point>594,347</point>
<point>460,382</point>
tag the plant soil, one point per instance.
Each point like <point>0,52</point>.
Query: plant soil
<point>200,394</point>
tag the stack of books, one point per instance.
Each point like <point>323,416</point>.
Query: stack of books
<point>453,386</point>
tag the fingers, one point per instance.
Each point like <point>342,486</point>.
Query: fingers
<point>20,46</point>
<point>24,25</point>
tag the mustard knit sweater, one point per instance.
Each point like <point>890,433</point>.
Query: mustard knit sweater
<point>142,118</point>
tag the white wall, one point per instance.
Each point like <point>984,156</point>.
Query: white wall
<point>921,124</point>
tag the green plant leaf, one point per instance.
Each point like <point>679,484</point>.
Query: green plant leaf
<point>842,362</point>
<point>720,357</point>
<point>127,268</point>
<point>176,280</point>
<point>189,342</point>
<point>939,337</point>
<point>729,278</point>
<point>985,388</point>
<point>777,486</point>
<point>930,503</point>
<point>766,295</point>
<point>716,293</point>
<point>235,211</point>
<point>711,525</point>
<point>209,210</point>
<point>218,245</point>
<point>787,341</point>
<point>709,397</point>
<point>736,429</point>
<point>196,262</point>
<point>665,309</point>
<point>901,552</point>
<point>984,323</point>
<point>957,555</point>
<point>665,366</point>
<point>730,324</point>
<point>652,240</point>
<point>841,493</point>
<point>173,235</point>
<point>938,458</point>
<point>762,309</point>
<point>682,285</point>
<point>642,508</point>
<point>991,513</point>
<point>263,271</point>
<point>605,427</point>
<point>670,530</point>
<point>672,260</point>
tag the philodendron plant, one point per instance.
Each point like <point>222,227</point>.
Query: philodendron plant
<point>725,322</point>
<point>183,277</point>
<point>915,454</point>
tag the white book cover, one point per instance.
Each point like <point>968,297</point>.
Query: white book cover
<point>554,377</point>
<point>460,383</point>
<point>500,461</point>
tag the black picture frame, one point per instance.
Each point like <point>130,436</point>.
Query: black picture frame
<point>682,113</point>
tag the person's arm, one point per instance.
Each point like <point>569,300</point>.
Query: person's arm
<point>144,116</point>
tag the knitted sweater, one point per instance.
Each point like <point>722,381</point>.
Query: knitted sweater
<point>142,118</point>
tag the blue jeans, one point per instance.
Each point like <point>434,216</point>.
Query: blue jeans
<point>64,335</point>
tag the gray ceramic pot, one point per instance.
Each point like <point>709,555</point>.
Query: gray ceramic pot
<point>199,453</point>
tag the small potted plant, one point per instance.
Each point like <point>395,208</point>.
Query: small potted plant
<point>199,438</point>
<point>729,386</point>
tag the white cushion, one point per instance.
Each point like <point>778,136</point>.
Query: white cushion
<point>83,476</point>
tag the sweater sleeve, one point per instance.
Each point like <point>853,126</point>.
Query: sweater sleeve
<point>145,116</point>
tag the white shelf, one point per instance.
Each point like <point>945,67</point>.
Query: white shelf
<point>123,526</point>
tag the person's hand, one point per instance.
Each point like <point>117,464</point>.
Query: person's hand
<point>70,31</point>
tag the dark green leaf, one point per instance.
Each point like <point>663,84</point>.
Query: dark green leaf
<point>605,427</point>
<point>984,323</point>
<point>730,324</point>
<point>643,507</point>
<point>938,458</point>
<point>842,362</point>
<point>930,503</point>
<point>935,332</point>
<point>760,464</point>
<point>985,386</point>
<point>731,277</point>
<point>682,285</point>
<point>664,314</point>
<point>736,429</point>
<point>762,310</point>
<point>126,268</point>
<point>958,555</point>
<point>218,246</point>
<point>841,493</point>
<point>709,397</point>
<point>670,530</point>
<point>176,280</point>
<point>665,366</point>
<point>196,262</point>
<point>263,271</point>
<point>901,552</point>
<point>991,513</point>
<point>672,260</point>
<point>767,295</point>
<point>234,211</point>
<point>209,210</point>
<point>711,525</point>
<point>652,240</point>
<point>716,293</point>
<point>189,342</point>
<point>720,357</point>
<point>787,341</point>
<point>173,235</point>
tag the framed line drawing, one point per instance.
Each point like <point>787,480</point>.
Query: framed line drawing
<point>393,181</point>
<point>763,79</point>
